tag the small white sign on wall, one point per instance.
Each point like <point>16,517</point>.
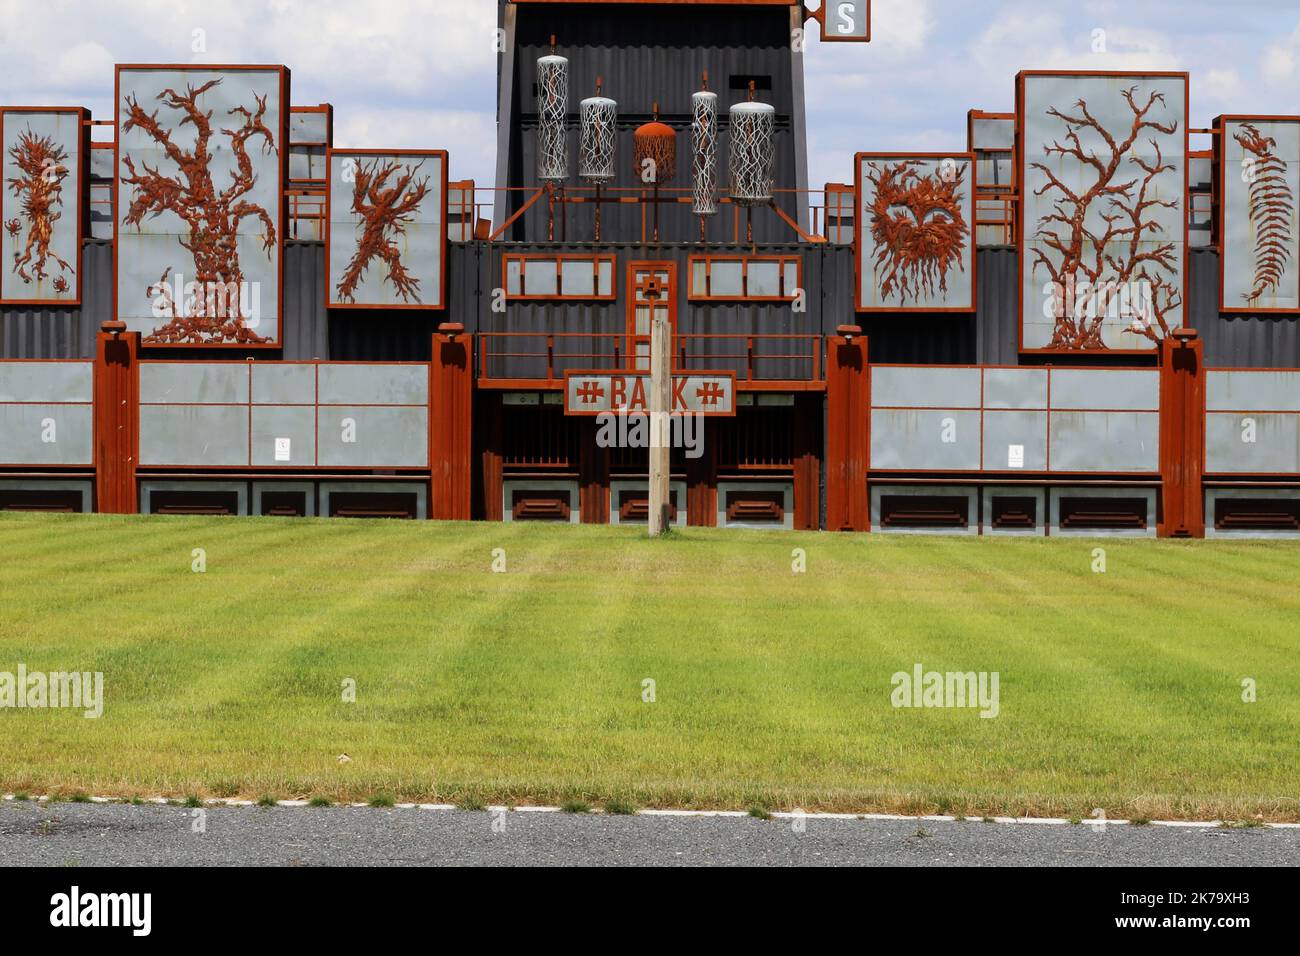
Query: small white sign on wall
<point>283,450</point>
<point>1015,456</point>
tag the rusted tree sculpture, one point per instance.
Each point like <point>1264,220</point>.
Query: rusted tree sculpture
<point>1087,268</point>
<point>1272,207</point>
<point>211,215</point>
<point>385,210</point>
<point>919,227</point>
<point>42,163</point>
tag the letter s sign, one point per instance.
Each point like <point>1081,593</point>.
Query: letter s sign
<point>848,20</point>
<point>845,18</point>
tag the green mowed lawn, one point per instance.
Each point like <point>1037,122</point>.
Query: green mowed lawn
<point>1121,690</point>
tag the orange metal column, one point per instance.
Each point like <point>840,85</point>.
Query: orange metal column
<point>1182,435</point>
<point>848,448</point>
<point>807,463</point>
<point>116,418</point>
<point>451,398</point>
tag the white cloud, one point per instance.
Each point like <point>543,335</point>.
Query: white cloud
<point>1279,65</point>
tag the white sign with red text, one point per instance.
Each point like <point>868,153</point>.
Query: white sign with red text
<point>597,393</point>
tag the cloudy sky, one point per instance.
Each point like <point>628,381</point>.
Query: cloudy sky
<point>421,73</point>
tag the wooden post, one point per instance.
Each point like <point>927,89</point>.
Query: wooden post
<point>1182,436</point>
<point>116,418</point>
<point>848,448</point>
<point>661,384</point>
<point>451,396</point>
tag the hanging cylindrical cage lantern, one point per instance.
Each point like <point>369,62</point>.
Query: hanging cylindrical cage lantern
<point>654,153</point>
<point>704,153</point>
<point>751,153</point>
<point>597,139</point>
<point>552,109</point>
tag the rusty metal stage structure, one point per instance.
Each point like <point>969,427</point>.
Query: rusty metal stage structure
<point>1004,339</point>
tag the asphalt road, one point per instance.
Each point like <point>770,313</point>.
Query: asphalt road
<point>68,834</point>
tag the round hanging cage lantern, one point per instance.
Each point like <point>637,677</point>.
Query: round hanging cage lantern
<point>751,153</point>
<point>655,141</point>
<point>552,108</point>
<point>704,153</point>
<point>597,139</point>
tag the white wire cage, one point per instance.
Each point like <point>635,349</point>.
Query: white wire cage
<point>751,152</point>
<point>597,139</point>
<point>704,153</point>
<point>552,109</point>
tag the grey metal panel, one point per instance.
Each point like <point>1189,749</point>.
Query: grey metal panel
<point>912,440</point>
<point>26,432</point>
<point>199,383</point>
<point>284,384</point>
<point>306,487</point>
<point>1054,504</point>
<point>421,490</point>
<point>240,488</point>
<point>1105,441</point>
<point>47,382</point>
<point>989,492</point>
<point>787,503</point>
<point>32,332</point>
<point>1028,430</point>
<point>1015,388</point>
<point>86,488</point>
<point>1137,389</point>
<point>1275,450</point>
<point>966,491</point>
<point>1252,391</point>
<point>306,320</point>
<point>213,435</point>
<point>1214,495</point>
<point>1237,339</point>
<point>357,384</point>
<point>384,437</point>
<point>296,423</point>
<point>913,387</point>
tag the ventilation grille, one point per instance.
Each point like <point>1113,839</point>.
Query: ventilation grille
<point>1103,514</point>
<point>50,499</point>
<point>373,504</point>
<point>924,511</point>
<point>194,502</point>
<point>540,505</point>
<point>634,506</point>
<point>1014,512</point>
<point>756,507</point>
<point>1257,514</point>
<point>284,504</point>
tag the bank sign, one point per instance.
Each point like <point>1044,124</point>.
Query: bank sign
<point>598,393</point>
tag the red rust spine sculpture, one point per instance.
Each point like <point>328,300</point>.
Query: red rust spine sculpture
<point>1272,207</point>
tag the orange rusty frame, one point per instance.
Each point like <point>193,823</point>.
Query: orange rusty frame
<point>556,259</point>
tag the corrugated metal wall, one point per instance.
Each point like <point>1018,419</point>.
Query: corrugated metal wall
<point>40,333</point>
<point>311,331</point>
<point>652,58</point>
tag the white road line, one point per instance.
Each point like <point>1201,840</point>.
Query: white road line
<point>776,814</point>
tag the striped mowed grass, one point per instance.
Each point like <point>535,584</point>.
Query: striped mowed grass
<point>699,670</point>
